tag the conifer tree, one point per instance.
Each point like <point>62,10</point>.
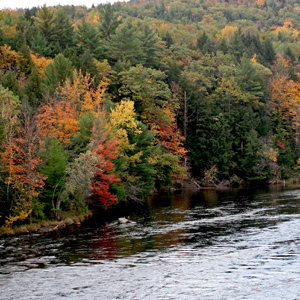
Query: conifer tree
<point>110,21</point>
<point>88,38</point>
<point>149,46</point>
<point>125,46</point>
<point>46,22</point>
<point>57,72</point>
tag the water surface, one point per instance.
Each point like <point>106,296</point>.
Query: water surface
<point>242,244</point>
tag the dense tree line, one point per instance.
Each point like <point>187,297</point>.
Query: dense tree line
<point>106,104</point>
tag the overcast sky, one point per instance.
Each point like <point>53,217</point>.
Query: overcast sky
<point>30,3</point>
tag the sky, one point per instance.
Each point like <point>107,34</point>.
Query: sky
<point>31,3</point>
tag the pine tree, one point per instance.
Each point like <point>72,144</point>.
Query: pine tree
<point>236,45</point>
<point>9,80</point>
<point>268,51</point>
<point>88,38</point>
<point>66,36</point>
<point>39,44</point>
<point>149,46</point>
<point>57,72</point>
<point>125,46</point>
<point>33,88</point>
<point>249,80</point>
<point>46,22</point>
<point>110,22</point>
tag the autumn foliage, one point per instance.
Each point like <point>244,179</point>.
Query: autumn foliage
<point>108,104</point>
<point>58,120</point>
<point>106,148</point>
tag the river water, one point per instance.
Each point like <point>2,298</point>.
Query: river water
<point>242,244</point>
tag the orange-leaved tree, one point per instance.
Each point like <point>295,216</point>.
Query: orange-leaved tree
<point>40,62</point>
<point>19,163</point>
<point>57,120</point>
<point>83,92</point>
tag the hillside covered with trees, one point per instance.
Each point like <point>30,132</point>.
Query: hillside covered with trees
<point>105,104</point>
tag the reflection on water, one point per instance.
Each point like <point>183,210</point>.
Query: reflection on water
<point>207,244</point>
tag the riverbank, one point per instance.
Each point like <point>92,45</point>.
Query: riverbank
<point>68,219</point>
<point>44,225</point>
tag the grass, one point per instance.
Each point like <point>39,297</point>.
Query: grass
<point>46,225</point>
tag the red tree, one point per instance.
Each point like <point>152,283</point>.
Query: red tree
<point>106,148</point>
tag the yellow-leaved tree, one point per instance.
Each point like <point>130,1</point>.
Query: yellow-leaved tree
<point>123,121</point>
<point>284,99</point>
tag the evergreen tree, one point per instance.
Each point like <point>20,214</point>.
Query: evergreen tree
<point>125,46</point>
<point>168,39</point>
<point>46,22</point>
<point>290,54</point>
<point>268,51</point>
<point>25,63</point>
<point>223,46</point>
<point>202,40</point>
<point>39,44</point>
<point>173,72</point>
<point>88,38</point>
<point>33,88</point>
<point>236,46</point>
<point>9,80</point>
<point>149,46</point>
<point>109,22</point>
<point>66,37</point>
<point>57,72</point>
<point>248,79</point>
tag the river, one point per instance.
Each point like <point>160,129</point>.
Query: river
<point>208,244</point>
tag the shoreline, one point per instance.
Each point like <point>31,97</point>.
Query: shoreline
<point>45,226</point>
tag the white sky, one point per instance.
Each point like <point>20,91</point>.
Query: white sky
<point>31,3</point>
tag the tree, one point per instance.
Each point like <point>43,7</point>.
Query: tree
<point>236,45</point>
<point>150,47</point>
<point>8,58</point>
<point>88,38</point>
<point>284,99</point>
<point>9,108</point>
<point>57,120</point>
<point>46,22</point>
<point>83,92</point>
<point>250,81</point>
<point>110,21</point>
<point>40,63</point>
<point>105,147</point>
<point>268,51</point>
<point>39,44</point>
<point>24,59</point>
<point>79,177</point>
<point>9,81</point>
<point>66,37</point>
<point>124,45</point>
<point>135,165</point>
<point>133,162</point>
<point>122,120</point>
<point>19,164</point>
<point>54,164</point>
<point>33,88</point>
<point>57,72</point>
<point>147,89</point>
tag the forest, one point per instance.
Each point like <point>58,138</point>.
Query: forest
<point>108,104</point>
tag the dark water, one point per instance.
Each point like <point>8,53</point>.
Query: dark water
<point>189,245</point>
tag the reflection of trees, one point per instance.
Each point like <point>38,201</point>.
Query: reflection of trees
<point>105,244</point>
